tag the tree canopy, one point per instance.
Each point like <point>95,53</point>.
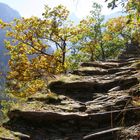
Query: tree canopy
<point>31,64</point>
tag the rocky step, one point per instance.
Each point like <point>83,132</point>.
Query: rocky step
<point>108,103</point>
<point>91,86</point>
<point>49,125</point>
<point>124,73</point>
<point>131,60</point>
<point>68,125</point>
<point>99,120</point>
<point>110,63</point>
<point>91,72</point>
<point>114,100</point>
<point>87,107</point>
<point>101,134</point>
<point>43,134</point>
<point>105,65</point>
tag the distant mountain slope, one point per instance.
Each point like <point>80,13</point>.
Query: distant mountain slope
<point>7,14</point>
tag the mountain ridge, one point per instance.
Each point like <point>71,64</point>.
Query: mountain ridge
<point>7,14</point>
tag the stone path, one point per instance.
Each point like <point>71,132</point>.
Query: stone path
<point>96,102</point>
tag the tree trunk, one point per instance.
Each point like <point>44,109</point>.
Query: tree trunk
<point>63,57</point>
<point>103,52</point>
<point>92,57</point>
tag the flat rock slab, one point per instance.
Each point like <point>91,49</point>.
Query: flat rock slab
<point>107,64</point>
<point>90,86</point>
<point>42,117</point>
<point>91,72</point>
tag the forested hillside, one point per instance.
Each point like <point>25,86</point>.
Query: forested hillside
<point>87,88</point>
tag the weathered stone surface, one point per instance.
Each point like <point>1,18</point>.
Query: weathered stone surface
<point>90,104</point>
<point>132,132</point>
<point>91,72</point>
<point>43,117</point>
<point>99,135</point>
<point>99,64</point>
<point>91,86</point>
<point>108,64</point>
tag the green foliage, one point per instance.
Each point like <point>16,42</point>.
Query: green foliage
<point>6,106</point>
<point>76,58</point>
<point>29,64</point>
<point>130,6</point>
<point>92,39</point>
<point>7,134</point>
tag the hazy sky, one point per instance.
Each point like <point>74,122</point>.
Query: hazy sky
<point>29,8</point>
